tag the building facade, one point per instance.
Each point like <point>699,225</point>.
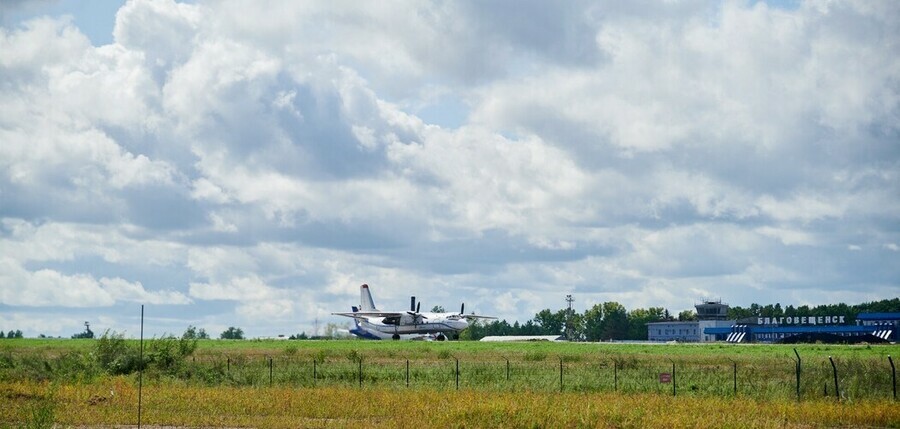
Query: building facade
<point>869,327</point>
<point>712,325</point>
<point>710,314</point>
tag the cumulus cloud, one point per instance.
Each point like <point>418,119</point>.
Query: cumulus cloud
<point>259,166</point>
<point>50,288</point>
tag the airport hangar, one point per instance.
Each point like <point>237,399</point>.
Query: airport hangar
<point>712,325</point>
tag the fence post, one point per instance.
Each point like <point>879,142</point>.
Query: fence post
<point>314,372</point>
<point>457,374</point>
<point>734,378</point>
<point>141,368</point>
<point>507,371</point>
<point>797,367</point>
<point>407,373</point>
<point>228,365</point>
<point>615,376</point>
<point>893,377</point>
<point>360,371</point>
<point>560,375</point>
<point>673,379</point>
<point>271,365</point>
<point>837,390</point>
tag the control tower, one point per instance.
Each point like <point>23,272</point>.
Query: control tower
<point>712,310</point>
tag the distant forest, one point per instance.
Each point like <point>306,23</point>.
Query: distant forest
<point>611,321</point>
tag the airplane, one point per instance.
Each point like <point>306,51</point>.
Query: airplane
<point>374,324</point>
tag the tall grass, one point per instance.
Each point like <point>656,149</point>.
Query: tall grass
<point>112,401</point>
<point>344,383</point>
<point>762,371</point>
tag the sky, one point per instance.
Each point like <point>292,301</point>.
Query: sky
<point>251,163</point>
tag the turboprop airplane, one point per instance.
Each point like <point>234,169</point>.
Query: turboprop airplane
<point>374,324</point>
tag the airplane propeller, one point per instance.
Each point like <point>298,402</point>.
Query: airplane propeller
<point>414,308</point>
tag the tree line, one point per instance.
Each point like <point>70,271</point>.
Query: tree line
<point>11,334</point>
<point>848,311</point>
<point>612,321</point>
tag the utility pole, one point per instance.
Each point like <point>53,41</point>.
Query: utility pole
<point>569,331</point>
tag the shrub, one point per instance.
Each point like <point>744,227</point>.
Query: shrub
<point>165,354</point>
<point>115,356</point>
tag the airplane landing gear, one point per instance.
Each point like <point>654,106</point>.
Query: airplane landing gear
<point>440,337</point>
<point>395,337</point>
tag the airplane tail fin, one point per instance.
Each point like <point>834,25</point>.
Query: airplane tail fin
<point>365,299</point>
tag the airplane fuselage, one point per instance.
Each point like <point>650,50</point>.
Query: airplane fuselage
<point>372,323</point>
<point>433,324</point>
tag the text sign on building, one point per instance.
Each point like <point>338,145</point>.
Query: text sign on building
<point>805,320</point>
<point>665,377</point>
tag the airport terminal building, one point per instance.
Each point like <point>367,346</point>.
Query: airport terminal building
<point>713,326</point>
<point>869,327</point>
<point>710,314</point>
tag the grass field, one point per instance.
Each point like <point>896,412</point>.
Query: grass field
<point>362,383</point>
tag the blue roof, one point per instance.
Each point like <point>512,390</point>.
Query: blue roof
<point>791,329</point>
<point>878,316</point>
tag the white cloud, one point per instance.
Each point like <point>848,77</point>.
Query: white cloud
<point>804,208</point>
<point>122,290</point>
<point>237,289</point>
<point>247,164</point>
<point>50,288</point>
<point>788,237</point>
<point>266,310</point>
<point>57,242</point>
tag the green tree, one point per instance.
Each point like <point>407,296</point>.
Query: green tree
<point>615,321</point>
<point>577,327</point>
<point>232,333</point>
<point>530,328</point>
<point>687,316</point>
<point>438,309</point>
<point>738,313</point>
<point>550,323</point>
<point>192,333</point>
<point>474,332</point>
<point>638,320</point>
<point>593,321</point>
<point>790,311</point>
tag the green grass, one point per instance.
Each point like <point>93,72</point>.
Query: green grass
<point>701,369</point>
<point>112,402</point>
<point>231,383</point>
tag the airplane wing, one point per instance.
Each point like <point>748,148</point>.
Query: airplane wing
<point>368,314</point>
<point>472,316</point>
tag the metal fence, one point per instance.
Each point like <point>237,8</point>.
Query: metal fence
<point>855,378</point>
